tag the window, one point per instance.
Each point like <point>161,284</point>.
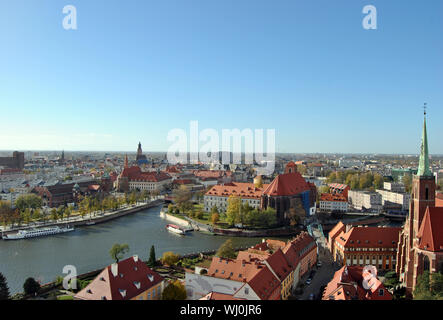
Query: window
<point>246,290</point>
<point>381,292</point>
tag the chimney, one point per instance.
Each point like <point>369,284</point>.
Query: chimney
<point>114,269</point>
<point>348,227</point>
<point>135,257</point>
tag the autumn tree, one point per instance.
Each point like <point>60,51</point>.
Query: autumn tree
<point>174,291</point>
<point>233,210</point>
<point>227,250</point>
<point>169,258</point>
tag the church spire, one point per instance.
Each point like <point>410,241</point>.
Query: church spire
<point>424,167</point>
<point>126,161</point>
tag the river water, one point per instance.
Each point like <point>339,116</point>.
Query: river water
<point>87,248</point>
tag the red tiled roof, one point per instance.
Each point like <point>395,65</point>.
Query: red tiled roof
<point>133,278</point>
<point>347,285</point>
<point>212,173</point>
<point>136,174</point>
<point>439,199</point>
<point>430,233</point>
<point>287,184</point>
<point>369,237</point>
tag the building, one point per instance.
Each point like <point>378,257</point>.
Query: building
<point>62,194</point>
<point>290,195</point>
<point>420,246</point>
<point>394,187</point>
<point>356,283</point>
<point>129,279</point>
<point>17,161</point>
<point>218,195</point>
<point>339,188</point>
<point>270,270</point>
<point>391,199</point>
<point>133,178</point>
<point>249,280</point>
<point>140,157</point>
<point>360,246</point>
<point>365,200</point>
<point>333,202</point>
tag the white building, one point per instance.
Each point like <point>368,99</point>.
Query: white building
<point>365,200</point>
<point>389,197</point>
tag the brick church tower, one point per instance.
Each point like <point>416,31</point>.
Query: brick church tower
<point>422,198</point>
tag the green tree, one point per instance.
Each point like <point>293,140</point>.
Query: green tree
<point>118,251</point>
<point>182,197</point>
<point>31,201</point>
<point>151,261</point>
<point>4,289</point>
<point>226,250</point>
<point>31,287</point>
<point>429,286</point>
<point>169,258</point>
<point>174,291</point>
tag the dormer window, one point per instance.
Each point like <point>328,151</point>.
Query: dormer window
<point>151,278</point>
<point>89,291</point>
<point>122,292</point>
<point>137,284</point>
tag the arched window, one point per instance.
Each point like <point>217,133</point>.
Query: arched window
<point>426,264</point>
<point>427,193</point>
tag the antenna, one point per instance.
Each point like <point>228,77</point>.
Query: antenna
<point>425,107</point>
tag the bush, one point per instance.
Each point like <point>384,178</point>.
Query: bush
<point>31,286</point>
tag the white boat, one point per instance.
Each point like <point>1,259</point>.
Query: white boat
<point>90,223</point>
<point>175,229</point>
<point>32,233</point>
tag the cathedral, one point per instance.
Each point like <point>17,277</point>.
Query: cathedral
<point>420,246</point>
<point>140,158</point>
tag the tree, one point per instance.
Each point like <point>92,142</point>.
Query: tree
<point>4,289</point>
<point>182,197</point>
<point>174,291</point>
<point>31,286</point>
<point>151,261</point>
<point>233,210</point>
<point>31,201</point>
<point>118,251</point>
<point>227,250</point>
<point>407,181</point>
<point>215,217</point>
<point>429,286</point>
<point>169,258</point>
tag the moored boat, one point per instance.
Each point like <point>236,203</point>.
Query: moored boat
<point>40,232</point>
<point>175,229</point>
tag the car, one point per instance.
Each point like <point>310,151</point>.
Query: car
<point>308,282</point>
<point>312,296</point>
<point>319,264</point>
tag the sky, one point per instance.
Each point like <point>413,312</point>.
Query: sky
<point>135,70</point>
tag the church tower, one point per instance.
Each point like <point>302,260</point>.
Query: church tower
<point>423,186</point>
<point>422,197</point>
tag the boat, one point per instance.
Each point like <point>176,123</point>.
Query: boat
<point>175,229</point>
<point>40,232</point>
<point>90,223</point>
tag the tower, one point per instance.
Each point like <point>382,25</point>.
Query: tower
<point>422,197</point>
<point>126,161</point>
<point>139,150</point>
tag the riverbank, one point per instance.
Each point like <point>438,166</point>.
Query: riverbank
<point>98,219</point>
<point>234,232</point>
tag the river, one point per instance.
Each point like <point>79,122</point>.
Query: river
<point>87,248</point>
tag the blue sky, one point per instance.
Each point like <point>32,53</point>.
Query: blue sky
<point>133,70</point>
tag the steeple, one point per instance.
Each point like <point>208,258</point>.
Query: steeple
<point>424,167</point>
<point>126,161</point>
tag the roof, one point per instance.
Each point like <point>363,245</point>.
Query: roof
<point>287,184</point>
<point>430,233</point>
<point>240,189</point>
<point>347,284</point>
<point>333,197</point>
<point>212,173</point>
<point>338,186</point>
<point>132,277</point>
<point>369,237</point>
<point>219,296</point>
<point>136,174</point>
<point>439,199</point>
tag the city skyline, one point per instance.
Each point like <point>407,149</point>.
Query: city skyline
<point>306,69</point>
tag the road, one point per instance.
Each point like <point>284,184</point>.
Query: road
<point>323,274</point>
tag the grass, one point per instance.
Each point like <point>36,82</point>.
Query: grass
<point>65,297</point>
